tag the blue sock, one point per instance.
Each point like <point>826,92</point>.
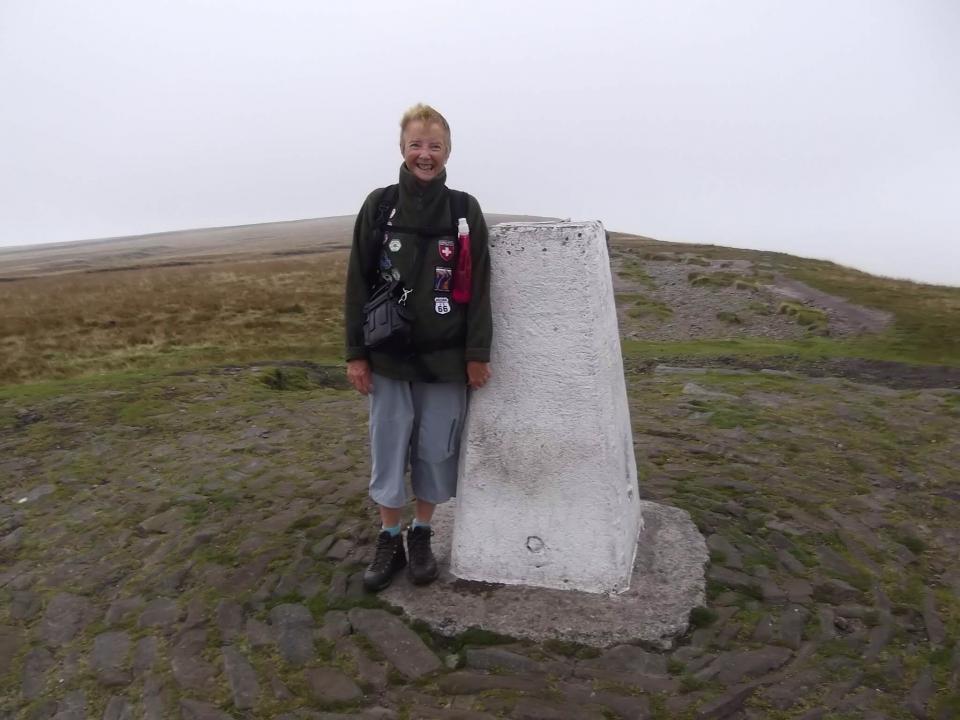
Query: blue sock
<point>394,531</point>
<point>420,523</point>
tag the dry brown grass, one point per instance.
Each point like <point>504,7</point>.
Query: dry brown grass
<point>170,317</point>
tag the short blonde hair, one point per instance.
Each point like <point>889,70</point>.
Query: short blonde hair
<point>427,115</point>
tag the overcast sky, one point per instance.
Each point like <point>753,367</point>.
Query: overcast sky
<point>824,128</point>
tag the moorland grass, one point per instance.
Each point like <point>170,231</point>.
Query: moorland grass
<point>641,306</point>
<point>176,317</point>
<point>926,317</point>
<point>62,326</point>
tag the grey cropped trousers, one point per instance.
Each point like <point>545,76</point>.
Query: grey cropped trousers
<point>419,424</point>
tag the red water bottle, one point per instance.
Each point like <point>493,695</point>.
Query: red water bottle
<point>463,275</point>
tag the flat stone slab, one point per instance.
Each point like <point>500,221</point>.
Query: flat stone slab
<point>331,686</point>
<point>668,581</point>
<point>400,645</point>
<point>108,658</point>
<point>66,615</point>
<point>293,625</point>
<point>241,678</point>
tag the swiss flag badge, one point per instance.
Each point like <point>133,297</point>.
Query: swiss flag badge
<point>446,250</point>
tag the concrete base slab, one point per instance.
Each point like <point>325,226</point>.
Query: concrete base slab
<point>668,581</point>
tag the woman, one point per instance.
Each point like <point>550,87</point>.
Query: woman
<point>408,236</point>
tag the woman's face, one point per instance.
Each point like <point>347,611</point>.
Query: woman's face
<point>424,150</point>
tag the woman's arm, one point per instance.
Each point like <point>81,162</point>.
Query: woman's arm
<point>479,318</point>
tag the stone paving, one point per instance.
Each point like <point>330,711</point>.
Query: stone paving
<point>189,546</point>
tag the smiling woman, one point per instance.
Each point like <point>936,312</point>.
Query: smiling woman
<point>416,367</point>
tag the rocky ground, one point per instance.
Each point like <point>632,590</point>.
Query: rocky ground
<point>682,296</point>
<point>188,546</point>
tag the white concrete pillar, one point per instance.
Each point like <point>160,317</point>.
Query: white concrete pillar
<point>548,481</point>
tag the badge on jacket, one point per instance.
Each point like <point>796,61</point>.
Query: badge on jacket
<point>394,245</point>
<point>446,250</point>
<point>442,279</point>
<point>441,305</point>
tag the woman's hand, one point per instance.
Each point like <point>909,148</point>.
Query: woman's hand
<point>359,375</point>
<point>477,374</point>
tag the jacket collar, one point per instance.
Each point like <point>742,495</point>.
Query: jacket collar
<point>411,187</point>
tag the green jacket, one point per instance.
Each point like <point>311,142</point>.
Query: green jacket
<point>420,206</point>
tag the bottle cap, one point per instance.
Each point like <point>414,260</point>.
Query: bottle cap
<point>462,227</point>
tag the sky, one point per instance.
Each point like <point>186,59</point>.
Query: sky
<point>822,128</point>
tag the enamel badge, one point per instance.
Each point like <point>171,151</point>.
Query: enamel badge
<point>442,279</point>
<point>446,250</point>
<point>394,245</point>
<point>441,305</point>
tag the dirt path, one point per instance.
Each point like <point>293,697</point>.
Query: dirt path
<point>852,318</point>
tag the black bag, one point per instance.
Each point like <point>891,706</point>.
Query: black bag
<point>387,324</point>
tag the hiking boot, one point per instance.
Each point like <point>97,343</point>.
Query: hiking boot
<point>423,565</point>
<point>388,559</point>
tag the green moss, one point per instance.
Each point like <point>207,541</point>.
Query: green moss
<point>395,678</point>
<point>804,555</point>
<point>642,306</point>
<point>714,589</point>
<point>729,317</point>
<point>570,649</point>
<point>837,648</point>
<point>805,315</point>
<point>286,378</point>
<point>137,412</point>
<point>912,543</point>
<point>811,348</point>
<point>730,417</point>
<point>701,617</point>
<point>718,557</point>
<point>658,708</point>
<point>632,269</point>
<point>620,688</point>
<point>293,598</point>
<point>711,280</point>
<point>947,705</point>
<point>690,683</point>
<point>760,308</point>
<point>675,667</point>
<point>478,637</point>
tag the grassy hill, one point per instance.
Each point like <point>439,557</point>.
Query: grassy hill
<point>238,295</point>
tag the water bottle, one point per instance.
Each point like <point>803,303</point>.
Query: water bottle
<point>463,275</point>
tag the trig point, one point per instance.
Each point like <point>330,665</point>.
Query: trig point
<point>548,483</point>
<point>548,537</point>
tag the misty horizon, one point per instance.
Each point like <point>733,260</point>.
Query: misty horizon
<point>828,130</point>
